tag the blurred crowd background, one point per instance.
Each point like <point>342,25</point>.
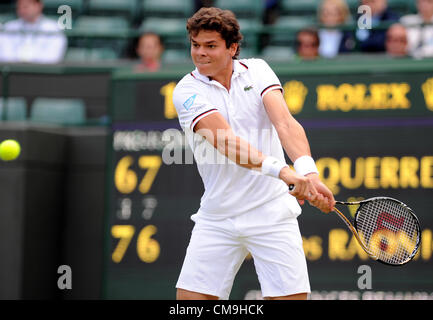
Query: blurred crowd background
<point>150,33</point>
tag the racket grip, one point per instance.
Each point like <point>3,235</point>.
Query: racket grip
<point>291,187</point>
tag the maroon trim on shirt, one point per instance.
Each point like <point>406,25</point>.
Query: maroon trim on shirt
<point>202,114</point>
<point>243,64</point>
<point>272,85</point>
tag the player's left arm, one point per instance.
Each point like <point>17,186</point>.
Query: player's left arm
<point>295,143</point>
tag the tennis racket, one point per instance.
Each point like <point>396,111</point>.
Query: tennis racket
<point>386,228</point>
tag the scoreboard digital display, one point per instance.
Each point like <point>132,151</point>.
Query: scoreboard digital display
<point>155,187</point>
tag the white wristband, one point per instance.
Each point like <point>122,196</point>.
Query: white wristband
<point>305,165</point>
<point>272,166</point>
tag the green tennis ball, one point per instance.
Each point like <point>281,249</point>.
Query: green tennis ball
<point>9,150</point>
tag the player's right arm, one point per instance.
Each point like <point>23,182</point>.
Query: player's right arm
<point>216,130</point>
<point>196,113</point>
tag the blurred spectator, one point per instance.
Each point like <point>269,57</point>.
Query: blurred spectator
<point>332,15</point>
<point>396,43</point>
<point>307,44</point>
<point>420,29</point>
<point>271,11</point>
<point>149,51</point>
<point>32,37</point>
<point>374,40</point>
<point>271,14</point>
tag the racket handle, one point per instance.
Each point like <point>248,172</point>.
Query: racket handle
<point>291,187</point>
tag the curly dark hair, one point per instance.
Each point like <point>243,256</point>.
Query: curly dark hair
<point>216,19</point>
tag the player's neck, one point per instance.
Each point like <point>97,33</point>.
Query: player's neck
<point>224,77</point>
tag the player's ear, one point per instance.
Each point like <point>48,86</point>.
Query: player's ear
<point>233,48</point>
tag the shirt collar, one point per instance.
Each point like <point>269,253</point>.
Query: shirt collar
<point>34,24</point>
<point>238,68</point>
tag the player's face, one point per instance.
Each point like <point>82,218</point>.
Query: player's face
<point>210,53</point>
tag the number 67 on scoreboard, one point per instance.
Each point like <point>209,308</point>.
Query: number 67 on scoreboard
<point>126,180</point>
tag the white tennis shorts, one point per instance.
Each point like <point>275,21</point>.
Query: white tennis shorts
<point>270,233</point>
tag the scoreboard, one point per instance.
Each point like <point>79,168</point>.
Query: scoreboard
<point>371,135</point>
<point>149,219</point>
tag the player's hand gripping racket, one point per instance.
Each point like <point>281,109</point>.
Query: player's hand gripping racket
<point>386,229</point>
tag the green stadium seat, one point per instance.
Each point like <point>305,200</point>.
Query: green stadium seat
<point>113,7</point>
<point>250,25</point>
<point>353,6</point>
<point>13,109</point>
<point>5,17</point>
<point>412,7</point>
<point>296,7</point>
<point>243,8</point>
<point>402,7</point>
<point>100,32</point>
<point>294,22</point>
<point>90,54</point>
<point>51,6</point>
<point>250,29</point>
<point>176,56</point>
<point>167,8</point>
<point>103,54</point>
<point>77,55</point>
<point>7,8</point>
<point>284,30</point>
<point>101,26</point>
<point>278,53</point>
<point>247,53</point>
<point>58,111</point>
<point>171,30</point>
<point>163,25</point>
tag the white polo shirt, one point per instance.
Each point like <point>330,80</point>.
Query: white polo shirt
<point>40,42</point>
<point>419,34</point>
<point>230,189</point>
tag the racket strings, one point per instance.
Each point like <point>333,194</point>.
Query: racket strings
<point>389,230</point>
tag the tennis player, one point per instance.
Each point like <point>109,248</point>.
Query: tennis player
<point>237,123</point>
